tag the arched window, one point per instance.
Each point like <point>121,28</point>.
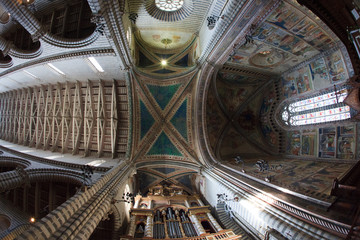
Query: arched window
<point>322,108</point>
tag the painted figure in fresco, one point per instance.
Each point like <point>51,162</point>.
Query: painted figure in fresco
<point>287,41</point>
<point>269,134</point>
<point>295,144</point>
<point>336,67</point>
<point>327,142</point>
<point>345,147</point>
<point>237,59</point>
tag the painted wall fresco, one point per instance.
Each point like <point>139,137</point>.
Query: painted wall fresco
<point>317,75</point>
<point>336,67</point>
<point>330,142</point>
<point>327,142</point>
<point>290,35</point>
<point>346,142</point>
<point>308,142</point>
<point>293,145</point>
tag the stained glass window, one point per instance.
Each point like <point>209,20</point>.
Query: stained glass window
<point>327,107</point>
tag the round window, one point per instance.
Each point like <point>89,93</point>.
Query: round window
<point>169,5</point>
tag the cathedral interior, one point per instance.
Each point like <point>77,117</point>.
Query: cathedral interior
<point>179,119</point>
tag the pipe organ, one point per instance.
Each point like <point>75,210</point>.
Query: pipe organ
<point>169,212</point>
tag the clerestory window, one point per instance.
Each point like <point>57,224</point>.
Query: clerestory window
<point>326,107</point>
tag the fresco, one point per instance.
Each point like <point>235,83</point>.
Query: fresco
<point>147,120</point>
<point>303,28</point>
<point>337,69</point>
<point>310,178</point>
<point>234,144</point>
<point>346,142</point>
<point>289,86</point>
<point>268,58</point>
<point>234,78</point>
<point>264,31</point>
<point>179,120</point>
<point>285,16</point>
<point>319,73</point>
<point>214,118</point>
<point>269,98</point>
<point>327,142</point>
<point>270,135</point>
<point>164,146</point>
<point>330,142</point>
<point>160,39</point>
<point>249,118</point>
<point>293,143</point>
<point>232,96</point>
<point>319,39</point>
<point>287,29</point>
<point>308,142</point>
<point>301,78</point>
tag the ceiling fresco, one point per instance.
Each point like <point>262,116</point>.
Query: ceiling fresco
<point>288,36</point>
<point>178,60</point>
<point>248,123</point>
<point>166,39</point>
<point>169,174</point>
<point>155,25</point>
<point>233,108</point>
<point>235,144</point>
<point>163,114</point>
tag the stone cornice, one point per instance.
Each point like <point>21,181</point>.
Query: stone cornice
<point>69,55</point>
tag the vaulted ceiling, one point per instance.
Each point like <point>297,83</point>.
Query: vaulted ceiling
<point>248,46</point>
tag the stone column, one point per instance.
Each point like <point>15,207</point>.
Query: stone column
<point>150,204</point>
<point>149,226</point>
<point>132,226</point>
<point>199,228</point>
<point>214,222</point>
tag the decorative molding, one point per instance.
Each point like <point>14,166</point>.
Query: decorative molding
<point>69,55</point>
